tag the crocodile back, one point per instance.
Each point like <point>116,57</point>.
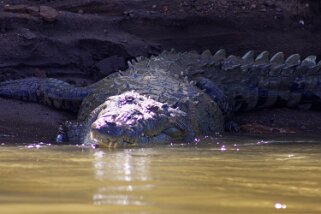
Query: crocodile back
<point>249,81</point>
<point>204,114</point>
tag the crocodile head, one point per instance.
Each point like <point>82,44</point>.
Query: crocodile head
<point>131,118</point>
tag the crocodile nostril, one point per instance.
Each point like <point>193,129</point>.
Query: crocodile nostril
<point>110,123</point>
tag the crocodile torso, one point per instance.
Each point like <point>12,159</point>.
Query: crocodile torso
<point>176,96</point>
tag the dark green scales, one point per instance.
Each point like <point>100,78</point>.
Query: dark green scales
<point>175,96</point>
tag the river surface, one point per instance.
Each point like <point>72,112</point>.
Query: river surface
<point>227,175</point>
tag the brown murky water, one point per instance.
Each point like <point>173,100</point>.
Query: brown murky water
<point>230,175</point>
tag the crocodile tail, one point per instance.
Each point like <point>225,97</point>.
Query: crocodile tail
<point>290,82</point>
<point>51,92</point>
<point>260,82</point>
<point>249,81</point>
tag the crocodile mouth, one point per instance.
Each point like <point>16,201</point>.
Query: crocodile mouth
<point>114,135</point>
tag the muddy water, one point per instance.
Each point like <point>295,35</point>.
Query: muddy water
<point>230,175</point>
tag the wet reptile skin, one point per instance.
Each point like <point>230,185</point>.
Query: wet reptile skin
<point>189,94</point>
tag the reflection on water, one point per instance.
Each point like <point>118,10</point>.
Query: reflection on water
<point>121,166</point>
<point>230,175</point>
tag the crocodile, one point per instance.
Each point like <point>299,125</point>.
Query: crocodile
<point>175,96</point>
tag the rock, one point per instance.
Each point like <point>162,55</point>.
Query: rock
<point>109,65</point>
<point>255,128</point>
<point>33,10</point>
<point>269,4</point>
<point>278,9</point>
<point>48,14</point>
<point>21,8</point>
<point>26,34</point>
<point>263,10</point>
<point>3,27</point>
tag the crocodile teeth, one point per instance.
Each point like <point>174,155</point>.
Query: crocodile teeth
<point>110,144</point>
<point>277,58</point>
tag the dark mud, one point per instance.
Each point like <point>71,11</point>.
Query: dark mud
<point>22,122</point>
<point>90,39</point>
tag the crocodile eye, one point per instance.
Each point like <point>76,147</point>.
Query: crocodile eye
<point>152,108</point>
<point>129,98</point>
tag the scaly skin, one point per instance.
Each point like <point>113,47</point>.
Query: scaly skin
<point>201,116</point>
<point>135,119</point>
<point>175,96</point>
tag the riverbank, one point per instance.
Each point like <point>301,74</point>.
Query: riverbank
<point>82,41</point>
<point>26,123</point>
